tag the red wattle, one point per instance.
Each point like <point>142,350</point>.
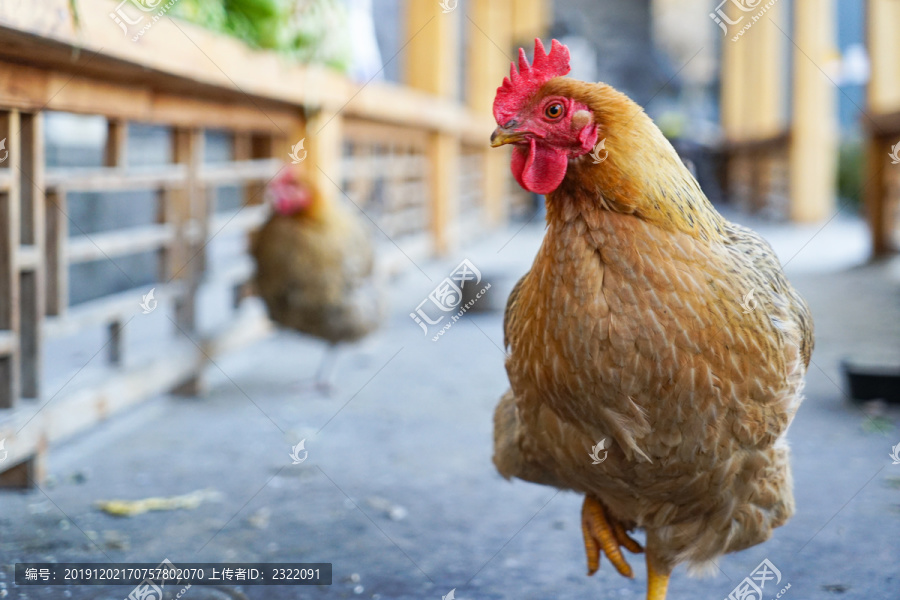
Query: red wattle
<point>537,168</point>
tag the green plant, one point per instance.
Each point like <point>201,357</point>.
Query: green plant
<point>851,164</point>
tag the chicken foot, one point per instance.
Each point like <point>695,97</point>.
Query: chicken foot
<point>602,532</point>
<point>657,577</point>
<point>323,381</point>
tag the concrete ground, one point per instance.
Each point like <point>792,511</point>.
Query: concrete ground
<point>398,490</point>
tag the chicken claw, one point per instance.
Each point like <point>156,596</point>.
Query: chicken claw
<point>601,532</point>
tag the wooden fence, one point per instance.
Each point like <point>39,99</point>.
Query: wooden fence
<point>402,155</point>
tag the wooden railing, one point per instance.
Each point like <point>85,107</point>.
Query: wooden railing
<point>401,155</point>
<point>772,130</point>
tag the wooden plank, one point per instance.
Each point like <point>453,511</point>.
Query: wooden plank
<point>115,178</point>
<point>30,88</point>
<point>121,242</point>
<point>105,310</point>
<point>165,78</point>
<point>239,172</point>
<point>9,244</point>
<point>369,132</point>
<point>246,219</point>
<point>176,92</point>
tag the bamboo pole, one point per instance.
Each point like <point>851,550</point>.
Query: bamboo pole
<point>488,58</point>
<point>813,152</point>
<point>432,66</point>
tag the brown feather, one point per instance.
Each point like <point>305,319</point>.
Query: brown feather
<point>315,271</point>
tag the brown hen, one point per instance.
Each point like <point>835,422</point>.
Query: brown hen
<point>315,268</point>
<point>649,321</point>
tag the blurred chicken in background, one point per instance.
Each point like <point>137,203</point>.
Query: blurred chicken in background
<point>315,269</point>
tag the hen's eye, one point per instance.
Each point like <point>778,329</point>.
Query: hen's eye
<point>554,111</point>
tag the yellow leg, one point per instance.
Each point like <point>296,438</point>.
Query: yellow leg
<point>601,532</point>
<point>657,580</point>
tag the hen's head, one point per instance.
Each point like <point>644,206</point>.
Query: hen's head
<point>546,125</point>
<point>288,194</point>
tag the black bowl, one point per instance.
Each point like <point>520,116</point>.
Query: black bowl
<point>872,381</point>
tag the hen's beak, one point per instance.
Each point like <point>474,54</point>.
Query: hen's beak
<point>503,136</point>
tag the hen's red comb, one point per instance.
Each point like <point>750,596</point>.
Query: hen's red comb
<point>521,84</point>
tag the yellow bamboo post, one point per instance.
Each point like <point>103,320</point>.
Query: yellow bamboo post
<point>813,152</point>
<point>734,101</point>
<point>432,67</point>
<point>529,19</point>
<point>770,54</point>
<point>884,50</point>
<point>490,42</point>
<point>764,114</point>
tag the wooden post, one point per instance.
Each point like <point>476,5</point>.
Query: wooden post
<point>813,152</point>
<point>32,275</point>
<point>488,58</point>
<point>9,275</point>
<point>56,265</point>
<point>115,155</point>
<point>191,224</point>
<point>249,146</point>
<point>883,99</point>
<point>433,67</point>
<point>879,207</point>
<point>324,137</point>
<point>116,152</point>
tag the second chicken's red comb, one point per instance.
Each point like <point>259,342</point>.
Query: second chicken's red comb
<point>522,83</point>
